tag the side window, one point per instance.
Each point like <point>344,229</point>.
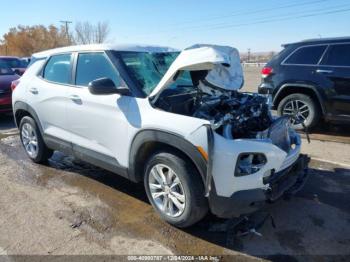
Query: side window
<point>337,55</point>
<point>309,55</point>
<point>58,69</point>
<point>92,66</point>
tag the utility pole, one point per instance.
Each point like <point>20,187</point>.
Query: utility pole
<point>66,23</point>
<point>248,55</point>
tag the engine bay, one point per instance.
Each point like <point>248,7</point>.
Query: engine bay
<point>232,114</point>
<point>235,115</point>
<point>207,86</point>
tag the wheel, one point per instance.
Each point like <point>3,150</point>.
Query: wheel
<point>32,141</point>
<point>301,107</point>
<point>175,189</point>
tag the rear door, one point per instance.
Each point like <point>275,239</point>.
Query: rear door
<point>47,94</point>
<point>300,65</point>
<point>335,66</point>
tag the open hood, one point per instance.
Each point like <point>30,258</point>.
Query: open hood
<point>222,62</point>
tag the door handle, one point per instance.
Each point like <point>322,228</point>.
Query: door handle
<point>34,90</point>
<point>75,99</point>
<point>322,71</point>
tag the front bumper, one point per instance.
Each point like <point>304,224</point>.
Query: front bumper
<point>285,182</point>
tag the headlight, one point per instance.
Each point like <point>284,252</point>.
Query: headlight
<point>249,163</point>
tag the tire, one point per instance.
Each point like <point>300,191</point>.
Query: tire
<point>29,131</point>
<point>195,205</point>
<point>303,102</point>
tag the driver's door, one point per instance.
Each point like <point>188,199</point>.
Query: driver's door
<point>97,123</point>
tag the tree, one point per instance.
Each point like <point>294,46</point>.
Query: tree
<point>26,40</point>
<point>87,33</point>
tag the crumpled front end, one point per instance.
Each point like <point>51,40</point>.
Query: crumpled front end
<point>248,151</point>
<point>247,173</point>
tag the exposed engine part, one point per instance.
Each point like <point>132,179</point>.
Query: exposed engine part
<point>239,115</point>
<point>232,114</point>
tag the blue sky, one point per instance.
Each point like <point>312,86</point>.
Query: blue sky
<point>255,24</point>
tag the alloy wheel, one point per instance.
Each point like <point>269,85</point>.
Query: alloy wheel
<point>298,110</point>
<point>167,190</point>
<point>30,140</point>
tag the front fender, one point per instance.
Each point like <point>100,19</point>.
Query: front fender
<point>169,139</point>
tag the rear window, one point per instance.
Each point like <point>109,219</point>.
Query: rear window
<point>34,59</point>
<point>337,55</point>
<point>280,55</point>
<point>58,69</point>
<point>308,55</point>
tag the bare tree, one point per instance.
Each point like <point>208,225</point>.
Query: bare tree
<point>87,33</point>
<point>102,31</point>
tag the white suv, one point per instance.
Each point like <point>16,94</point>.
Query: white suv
<point>174,120</point>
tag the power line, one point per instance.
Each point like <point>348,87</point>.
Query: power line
<point>253,11</point>
<point>219,25</point>
<point>284,19</point>
<point>262,20</point>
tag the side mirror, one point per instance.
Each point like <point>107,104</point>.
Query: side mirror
<point>105,86</point>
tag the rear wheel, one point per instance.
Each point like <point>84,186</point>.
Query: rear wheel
<point>32,141</point>
<point>175,190</point>
<point>301,108</point>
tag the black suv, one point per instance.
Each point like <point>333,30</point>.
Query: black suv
<point>310,80</point>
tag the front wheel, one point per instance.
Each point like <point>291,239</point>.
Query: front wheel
<point>301,108</point>
<point>175,190</point>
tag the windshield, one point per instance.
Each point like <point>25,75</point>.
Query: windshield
<point>147,69</point>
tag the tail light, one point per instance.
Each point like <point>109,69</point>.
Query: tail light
<point>14,84</point>
<point>266,71</point>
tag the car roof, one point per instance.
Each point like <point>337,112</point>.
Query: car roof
<point>321,41</point>
<point>102,47</point>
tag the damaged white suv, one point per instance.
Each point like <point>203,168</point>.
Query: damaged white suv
<point>174,120</point>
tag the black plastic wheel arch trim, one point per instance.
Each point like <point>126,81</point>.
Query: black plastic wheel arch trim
<point>25,107</point>
<point>169,139</point>
<point>310,87</point>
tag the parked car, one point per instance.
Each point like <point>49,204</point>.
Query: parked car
<point>310,80</point>
<point>26,61</point>
<point>18,65</point>
<point>173,120</point>
<point>7,76</point>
